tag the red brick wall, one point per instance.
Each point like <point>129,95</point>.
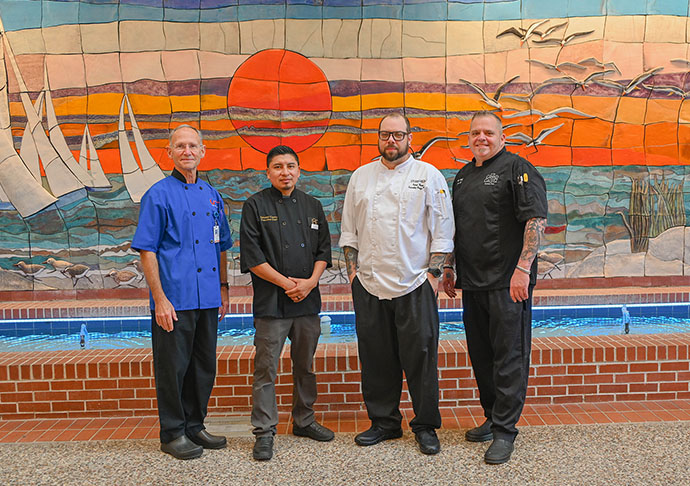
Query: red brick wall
<point>564,370</point>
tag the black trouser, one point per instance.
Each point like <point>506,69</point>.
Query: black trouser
<point>394,336</point>
<point>499,341</point>
<point>184,364</point>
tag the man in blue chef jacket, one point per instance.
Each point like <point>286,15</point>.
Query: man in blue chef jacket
<point>182,237</point>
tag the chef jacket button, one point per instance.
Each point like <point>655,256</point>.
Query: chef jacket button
<point>201,188</point>
<point>186,188</point>
<point>304,269</point>
<point>197,242</point>
<point>302,245</point>
<point>208,214</point>
<point>294,200</point>
<point>284,223</point>
<point>299,221</point>
<point>214,269</point>
<point>198,270</point>
<point>193,213</point>
<point>287,246</point>
<point>280,201</point>
<point>211,241</point>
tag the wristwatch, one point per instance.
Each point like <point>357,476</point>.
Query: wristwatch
<point>436,272</point>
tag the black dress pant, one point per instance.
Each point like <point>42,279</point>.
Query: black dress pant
<point>394,336</point>
<point>184,364</point>
<point>499,341</point>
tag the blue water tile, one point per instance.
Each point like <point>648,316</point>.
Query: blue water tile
<point>382,11</point>
<point>254,12</point>
<point>580,8</point>
<point>95,14</point>
<point>425,11</point>
<point>59,13</point>
<point>135,12</point>
<point>180,15</point>
<point>509,10</point>
<point>465,11</point>
<point>342,12</point>
<point>626,7</point>
<point>225,14</point>
<point>303,12</point>
<point>667,7</point>
<point>540,9</point>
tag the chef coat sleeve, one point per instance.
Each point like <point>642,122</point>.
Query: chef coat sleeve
<point>440,214</point>
<point>225,236</point>
<point>152,224</point>
<point>348,223</point>
<point>323,252</point>
<point>251,253</point>
<point>529,190</point>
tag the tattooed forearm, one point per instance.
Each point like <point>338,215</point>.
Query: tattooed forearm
<point>436,260</point>
<point>350,259</point>
<point>534,229</point>
<point>450,259</point>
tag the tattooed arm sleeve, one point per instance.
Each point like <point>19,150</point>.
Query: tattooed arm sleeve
<point>534,230</point>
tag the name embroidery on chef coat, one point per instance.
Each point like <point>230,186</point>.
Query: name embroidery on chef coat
<point>419,184</point>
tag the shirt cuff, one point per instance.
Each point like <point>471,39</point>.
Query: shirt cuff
<point>348,239</point>
<point>441,246</point>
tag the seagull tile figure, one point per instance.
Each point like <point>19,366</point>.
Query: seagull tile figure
<point>123,277</point>
<point>75,272</point>
<point>29,269</point>
<point>58,265</point>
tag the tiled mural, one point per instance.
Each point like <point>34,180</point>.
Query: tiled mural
<point>593,92</point>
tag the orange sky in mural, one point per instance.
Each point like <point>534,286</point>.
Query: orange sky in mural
<point>279,97</point>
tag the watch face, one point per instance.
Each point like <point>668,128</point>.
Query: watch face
<point>436,272</point>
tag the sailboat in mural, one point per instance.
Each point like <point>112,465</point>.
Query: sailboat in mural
<point>137,179</point>
<point>18,186</point>
<point>88,159</point>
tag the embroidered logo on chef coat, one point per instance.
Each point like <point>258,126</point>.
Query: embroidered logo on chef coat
<point>417,184</point>
<point>268,218</point>
<point>459,181</point>
<point>491,179</point>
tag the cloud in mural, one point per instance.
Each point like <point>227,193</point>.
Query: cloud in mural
<point>279,97</point>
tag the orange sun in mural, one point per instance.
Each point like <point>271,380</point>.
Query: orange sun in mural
<point>279,97</point>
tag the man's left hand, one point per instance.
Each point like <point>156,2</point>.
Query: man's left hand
<point>225,303</point>
<point>301,290</point>
<point>434,283</point>
<point>519,284</point>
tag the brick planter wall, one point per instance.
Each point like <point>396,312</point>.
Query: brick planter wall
<point>109,383</point>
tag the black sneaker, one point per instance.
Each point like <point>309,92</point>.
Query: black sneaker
<point>376,434</point>
<point>314,431</point>
<point>263,448</point>
<point>182,448</point>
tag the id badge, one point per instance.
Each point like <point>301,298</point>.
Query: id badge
<point>216,233</point>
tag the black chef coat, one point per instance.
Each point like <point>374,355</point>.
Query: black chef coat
<point>491,205</point>
<point>290,233</point>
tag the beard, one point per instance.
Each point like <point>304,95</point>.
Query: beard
<point>395,154</point>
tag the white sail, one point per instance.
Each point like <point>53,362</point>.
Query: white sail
<point>88,159</point>
<point>60,179</point>
<point>135,180</point>
<point>27,149</point>
<point>17,184</point>
<point>57,138</point>
<point>149,166</point>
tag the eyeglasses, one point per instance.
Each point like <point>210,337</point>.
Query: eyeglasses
<point>397,136</point>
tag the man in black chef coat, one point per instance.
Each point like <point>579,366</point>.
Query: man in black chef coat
<point>286,245</point>
<point>499,204</point>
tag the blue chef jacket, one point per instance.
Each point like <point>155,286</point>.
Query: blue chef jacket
<point>176,221</point>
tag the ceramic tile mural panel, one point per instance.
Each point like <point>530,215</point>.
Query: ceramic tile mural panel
<point>592,92</point>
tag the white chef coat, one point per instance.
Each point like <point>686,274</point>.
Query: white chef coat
<point>395,218</point>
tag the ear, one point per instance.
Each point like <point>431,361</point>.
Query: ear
<point>170,152</point>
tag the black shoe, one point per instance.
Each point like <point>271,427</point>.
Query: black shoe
<point>428,441</point>
<point>208,441</point>
<point>498,452</point>
<point>182,448</point>
<point>376,434</point>
<point>480,434</point>
<point>263,448</point>
<point>314,431</point>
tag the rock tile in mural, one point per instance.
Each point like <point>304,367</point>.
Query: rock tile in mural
<point>596,101</point>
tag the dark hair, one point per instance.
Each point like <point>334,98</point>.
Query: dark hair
<point>489,114</point>
<point>280,150</point>
<point>397,114</point>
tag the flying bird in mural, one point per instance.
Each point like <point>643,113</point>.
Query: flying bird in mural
<point>682,62</point>
<point>493,100</point>
<point>519,138</point>
<point>559,68</point>
<point>565,79</point>
<point>671,90</point>
<point>420,153</point>
<point>555,113</point>
<point>521,33</point>
<point>565,40</point>
<point>551,30</point>
<point>632,85</point>
<point>593,61</point>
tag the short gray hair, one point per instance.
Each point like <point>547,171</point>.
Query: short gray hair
<point>174,130</point>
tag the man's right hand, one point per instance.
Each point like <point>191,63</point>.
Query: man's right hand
<point>449,282</point>
<point>352,276</point>
<point>165,314</point>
